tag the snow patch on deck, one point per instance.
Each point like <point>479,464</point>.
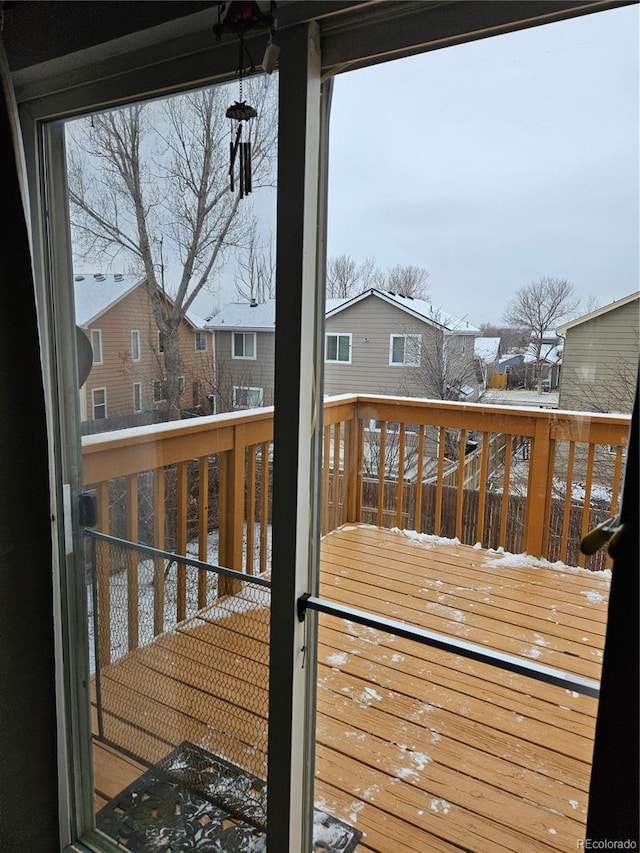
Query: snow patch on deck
<point>440,806</point>
<point>593,595</point>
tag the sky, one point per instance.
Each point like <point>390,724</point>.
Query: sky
<point>490,164</point>
<point>495,163</point>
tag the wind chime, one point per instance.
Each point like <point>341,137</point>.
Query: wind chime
<point>240,149</point>
<point>238,18</point>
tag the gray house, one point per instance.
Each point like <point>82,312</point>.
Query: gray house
<point>600,359</point>
<point>244,346</point>
<point>385,343</point>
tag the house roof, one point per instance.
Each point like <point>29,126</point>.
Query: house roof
<point>243,315</point>
<point>418,308</point>
<point>262,317</point>
<point>599,312</point>
<point>486,349</point>
<point>96,293</point>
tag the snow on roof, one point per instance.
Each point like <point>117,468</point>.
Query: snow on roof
<point>417,307</point>
<point>95,293</point>
<point>486,349</point>
<point>243,315</point>
<point>551,353</point>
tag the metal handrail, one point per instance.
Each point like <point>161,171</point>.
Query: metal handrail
<point>472,651</point>
<point>179,558</point>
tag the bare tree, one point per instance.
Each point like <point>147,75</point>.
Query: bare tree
<point>151,181</point>
<point>342,277</point>
<point>510,339</point>
<point>539,306</point>
<point>407,281</point>
<point>255,278</point>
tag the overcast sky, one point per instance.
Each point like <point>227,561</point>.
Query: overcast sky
<point>494,163</point>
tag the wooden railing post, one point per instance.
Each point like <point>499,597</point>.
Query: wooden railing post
<point>132,563</point>
<point>232,511</point>
<point>537,489</point>
<point>103,579</point>
<point>350,468</point>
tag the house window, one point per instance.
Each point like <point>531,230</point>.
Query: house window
<point>99,396</point>
<point>244,345</point>
<point>159,390</point>
<point>160,341</point>
<point>404,350</point>
<point>137,396</point>
<point>247,398</point>
<point>201,341</point>
<point>135,345</point>
<point>96,345</point>
<point>338,348</point>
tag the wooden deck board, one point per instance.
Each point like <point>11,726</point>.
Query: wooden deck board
<point>419,749</point>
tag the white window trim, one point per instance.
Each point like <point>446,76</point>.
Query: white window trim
<point>135,333</point>
<point>249,389</point>
<point>326,344</point>
<point>139,386</point>
<point>98,333</point>
<point>244,336</point>
<point>204,338</point>
<point>405,337</point>
<point>93,403</point>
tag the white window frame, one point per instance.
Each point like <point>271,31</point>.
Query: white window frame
<point>200,336</point>
<point>96,346</point>
<point>405,338</point>
<point>337,359</point>
<point>137,397</point>
<point>245,336</point>
<point>94,391</point>
<point>249,389</point>
<point>135,345</point>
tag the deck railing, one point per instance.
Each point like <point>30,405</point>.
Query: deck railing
<point>533,480</point>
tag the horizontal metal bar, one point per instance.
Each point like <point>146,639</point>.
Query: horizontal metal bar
<point>472,651</point>
<point>178,558</point>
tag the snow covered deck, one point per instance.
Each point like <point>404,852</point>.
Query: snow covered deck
<point>417,748</point>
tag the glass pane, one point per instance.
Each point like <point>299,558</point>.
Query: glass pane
<point>478,433</point>
<point>343,351</point>
<point>178,565</point>
<point>332,347</point>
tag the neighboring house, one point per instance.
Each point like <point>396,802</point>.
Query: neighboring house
<point>376,343</point>
<point>600,361</point>
<point>550,361</point>
<point>244,334</point>
<point>384,343</point>
<point>487,353</point>
<point>125,386</point>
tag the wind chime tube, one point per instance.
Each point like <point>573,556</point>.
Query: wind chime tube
<point>241,169</point>
<point>231,158</point>
<point>247,167</point>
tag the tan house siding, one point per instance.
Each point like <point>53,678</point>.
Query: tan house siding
<point>118,371</point>
<point>600,361</point>
<point>371,323</point>
<point>243,372</point>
